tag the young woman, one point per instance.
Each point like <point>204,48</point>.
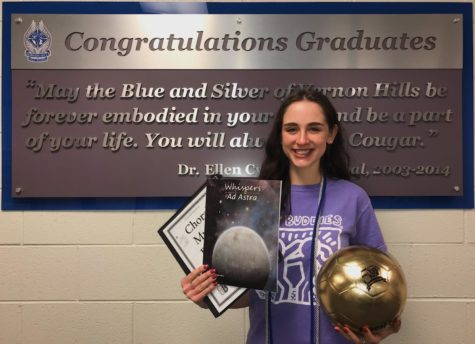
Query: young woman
<point>305,149</point>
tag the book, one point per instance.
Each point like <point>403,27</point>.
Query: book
<point>242,218</point>
<point>183,234</point>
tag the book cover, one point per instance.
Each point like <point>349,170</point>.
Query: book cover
<point>241,231</point>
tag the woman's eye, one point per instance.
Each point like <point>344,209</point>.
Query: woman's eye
<point>314,129</point>
<point>290,130</point>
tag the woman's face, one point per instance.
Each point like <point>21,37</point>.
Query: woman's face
<point>305,135</point>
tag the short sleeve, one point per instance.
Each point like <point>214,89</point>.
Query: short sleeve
<point>368,232</point>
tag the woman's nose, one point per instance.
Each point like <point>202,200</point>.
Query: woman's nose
<point>302,137</point>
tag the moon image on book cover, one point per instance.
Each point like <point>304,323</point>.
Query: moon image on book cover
<point>240,254</point>
<point>241,231</point>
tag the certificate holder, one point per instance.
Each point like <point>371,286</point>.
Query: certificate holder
<point>183,234</point>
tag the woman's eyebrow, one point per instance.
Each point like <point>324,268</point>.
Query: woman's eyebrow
<point>295,123</point>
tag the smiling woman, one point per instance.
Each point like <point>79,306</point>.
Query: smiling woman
<point>321,212</point>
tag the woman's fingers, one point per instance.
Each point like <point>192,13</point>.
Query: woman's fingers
<point>353,336</point>
<point>199,283</point>
<point>347,333</point>
<point>367,336</point>
<point>396,324</point>
<point>393,327</point>
<point>193,274</point>
<point>376,337</point>
<point>204,292</point>
<point>370,337</point>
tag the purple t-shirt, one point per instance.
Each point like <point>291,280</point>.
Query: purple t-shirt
<point>347,218</point>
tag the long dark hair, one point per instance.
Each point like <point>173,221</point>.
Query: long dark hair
<point>334,162</point>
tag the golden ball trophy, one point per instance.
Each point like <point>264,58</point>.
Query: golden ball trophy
<point>361,286</point>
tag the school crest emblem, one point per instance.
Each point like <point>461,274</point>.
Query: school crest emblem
<point>37,41</point>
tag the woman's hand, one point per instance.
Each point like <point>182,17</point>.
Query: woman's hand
<point>198,284</point>
<point>369,337</point>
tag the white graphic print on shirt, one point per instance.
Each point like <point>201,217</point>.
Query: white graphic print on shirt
<point>295,246</point>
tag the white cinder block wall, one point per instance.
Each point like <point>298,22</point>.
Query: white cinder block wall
<point>106,278</point>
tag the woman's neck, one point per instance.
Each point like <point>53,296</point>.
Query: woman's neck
<point>305,177</point>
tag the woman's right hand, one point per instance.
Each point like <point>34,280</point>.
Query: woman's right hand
<point>198,284</point>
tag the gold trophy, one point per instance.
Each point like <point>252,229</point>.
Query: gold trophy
<point>362,286</point>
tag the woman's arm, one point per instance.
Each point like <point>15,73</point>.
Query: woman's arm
<point>242,302</point>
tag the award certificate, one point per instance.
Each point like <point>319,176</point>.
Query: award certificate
<point>184,236</point>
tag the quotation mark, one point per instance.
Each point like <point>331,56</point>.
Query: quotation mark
<point>30,83</point>
<point>433,132</point>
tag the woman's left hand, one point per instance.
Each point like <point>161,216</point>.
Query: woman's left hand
<point>369,337</point>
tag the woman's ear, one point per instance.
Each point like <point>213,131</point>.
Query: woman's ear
<point>333,133</point>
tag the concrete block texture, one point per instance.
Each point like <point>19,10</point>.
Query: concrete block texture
<point>422,226</point>
<point>179,323</point>
<point>10,323</point>
<point>69,227</point>
<point>73,323</point>
<point>147,223</point>
<point>106,277</point>
<point>468,321</point>
<point>38,273</point>
<point>433,321</point>
<point>470,225</point>
<point>128,273</point>
<point>424,322</point>
<point>11,228</point>
<point>437,271</point>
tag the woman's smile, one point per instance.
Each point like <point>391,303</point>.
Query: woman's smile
<point>305,135</point>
